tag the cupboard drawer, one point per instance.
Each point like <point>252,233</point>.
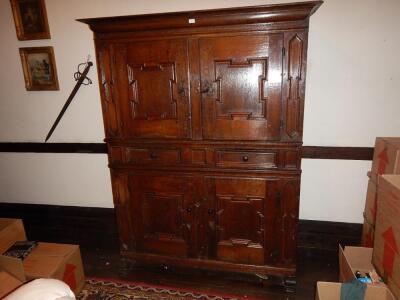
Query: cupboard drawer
<point>142,156</point>
<point>245,159</point>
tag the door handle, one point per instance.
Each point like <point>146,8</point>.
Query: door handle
<point>206,88</point>
<point>181,89</point>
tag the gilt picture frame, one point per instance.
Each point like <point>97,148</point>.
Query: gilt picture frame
<point>30,19</point>
<point>39,67</point>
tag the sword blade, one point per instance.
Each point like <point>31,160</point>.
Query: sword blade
<point>69,100</point>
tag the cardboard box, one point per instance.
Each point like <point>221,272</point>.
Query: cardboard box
<point>370,202</point>
<point>48,260</point>
<point>386,258</point>
<point>11,230</point>
<point>352,259</point>
<point>368,234</point>
<point>8,283</point>
<point>331,291</point>
<point>367,239</point>
<point>386,157</point>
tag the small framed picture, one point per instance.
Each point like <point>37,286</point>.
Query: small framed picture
<point>30,19</point>
<point>39,68</point>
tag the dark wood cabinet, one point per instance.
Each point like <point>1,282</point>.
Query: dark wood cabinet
<point>203,116</point>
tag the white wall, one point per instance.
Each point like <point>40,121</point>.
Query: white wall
<point>73,179</point>
<point>351,98</point>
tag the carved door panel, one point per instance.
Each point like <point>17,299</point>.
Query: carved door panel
<point>241,226</point>
<point>163,210</point>
<point>287,212</point>
<point>122,207</point>
<point>241,79</point>
<point>153,88</point>
<point>294,75</point>
<point>107,91</point>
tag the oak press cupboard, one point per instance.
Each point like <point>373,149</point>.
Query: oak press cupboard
<point>203,116</point>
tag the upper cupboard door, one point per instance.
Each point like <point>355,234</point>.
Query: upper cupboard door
<point>240,86</point>
<point>153,86</point>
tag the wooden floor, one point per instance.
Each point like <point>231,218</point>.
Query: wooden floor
<point>310,269</point>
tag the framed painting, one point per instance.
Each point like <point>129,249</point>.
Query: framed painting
<point>30,19</point>
<point>38,64</point>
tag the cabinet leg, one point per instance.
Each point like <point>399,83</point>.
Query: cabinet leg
<point>125,266</point>
<point>289,284</point>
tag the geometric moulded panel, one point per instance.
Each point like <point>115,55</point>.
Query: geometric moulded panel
<point>241,89</point>
<point>162,216</point>
<point>289,213</point>
<point>152,91</point>
<point>235,214</point>
<point>294,100</point>
<point>240,223</point>
<point>106,84</point>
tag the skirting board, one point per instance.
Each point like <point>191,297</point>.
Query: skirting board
<point>317,152</point>
<point>95,228</point>
<point>89,227</point>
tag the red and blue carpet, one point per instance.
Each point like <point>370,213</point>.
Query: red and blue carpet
<point>110,289</point>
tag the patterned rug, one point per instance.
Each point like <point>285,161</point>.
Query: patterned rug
<point>107,289</point>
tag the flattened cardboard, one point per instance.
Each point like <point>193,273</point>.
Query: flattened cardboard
<point>386,258</point>
<point>8,283</point>
<point>11,230</point>
<point>386,157</point>
<point>331,291</point>
<point>352,259</point>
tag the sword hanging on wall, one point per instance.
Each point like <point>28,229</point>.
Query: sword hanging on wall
<point>79,77</point>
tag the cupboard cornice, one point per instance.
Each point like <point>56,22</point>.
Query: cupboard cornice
<point>278,13</point>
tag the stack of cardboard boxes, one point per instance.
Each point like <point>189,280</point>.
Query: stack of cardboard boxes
<point>386,254</point>
<point>46,260</point>
<point>381,231</point>
<point>386,161</point>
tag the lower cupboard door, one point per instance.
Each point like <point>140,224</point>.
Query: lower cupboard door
<point>244,219</point>
<point>161,206</point>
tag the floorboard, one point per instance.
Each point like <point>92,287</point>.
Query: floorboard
<point>107,264</point>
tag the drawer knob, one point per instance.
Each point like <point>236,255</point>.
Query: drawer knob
<point>189,209</point>
<point>210,211</point>
<point>153,155</point>
<point>245,158</point>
